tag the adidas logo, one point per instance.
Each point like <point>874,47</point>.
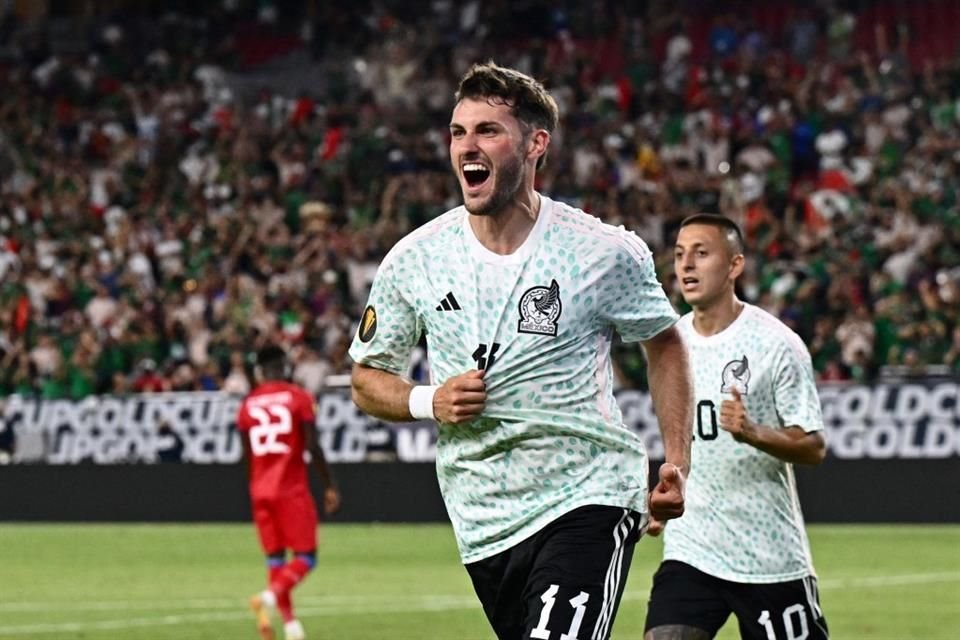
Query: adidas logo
<point>449,303</point>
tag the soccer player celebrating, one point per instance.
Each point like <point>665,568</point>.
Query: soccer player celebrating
<point>277,422</point>
<point>518,296</point>
<point>740,547</point>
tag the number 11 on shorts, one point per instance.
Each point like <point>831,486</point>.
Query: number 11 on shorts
<point>579,604</point>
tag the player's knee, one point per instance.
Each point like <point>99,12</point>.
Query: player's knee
<point>276,559</point>
<point>309,558</point>
<point>676,632</point>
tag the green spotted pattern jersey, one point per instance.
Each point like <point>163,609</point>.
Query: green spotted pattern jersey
<point>743,521</point>
<point>539,322</point>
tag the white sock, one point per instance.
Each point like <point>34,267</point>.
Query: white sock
<point>268,598</point>
<point>293,630</point>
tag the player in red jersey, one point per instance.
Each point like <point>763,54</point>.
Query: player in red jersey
<point>277,423</point>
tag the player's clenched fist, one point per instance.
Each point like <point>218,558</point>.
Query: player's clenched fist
<point>666,501</point>
<point>461,398</point>
<point>733,418</point>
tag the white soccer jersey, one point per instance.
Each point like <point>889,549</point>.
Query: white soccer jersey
<point>539,321</point>
<point>742,520</point>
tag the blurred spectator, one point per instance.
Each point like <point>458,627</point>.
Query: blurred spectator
<point>46,356</point>
<point>840,28</point>
<point>802,34</point>
<point>188,210</point>
<point>208,379</point>
<point>237,382</point>
<point>310,370</point>
<point>856,336</point>
<point>102,307</point>
<point>149,379</point>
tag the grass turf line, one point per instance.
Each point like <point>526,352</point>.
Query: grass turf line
<point>166,582</point>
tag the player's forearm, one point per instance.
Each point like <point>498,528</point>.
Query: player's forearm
<point>790,445</point>
<point>672,395</point>
<point>320,463</point>
<point>381,394</point>
<point>323,470</point>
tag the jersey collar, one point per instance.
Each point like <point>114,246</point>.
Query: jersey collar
<point>731,329</point>
<point>524,251</point>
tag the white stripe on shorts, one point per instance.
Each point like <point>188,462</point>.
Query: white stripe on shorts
<point>813,600</point>
<point>612,581</point>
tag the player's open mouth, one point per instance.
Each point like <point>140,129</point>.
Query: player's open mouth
<point>475,174</point>
<point>689,282</point>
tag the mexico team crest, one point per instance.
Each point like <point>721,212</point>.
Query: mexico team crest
<point>736,375</point>
<point>540,308</point>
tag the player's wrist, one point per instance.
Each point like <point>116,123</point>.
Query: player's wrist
<point>420,403</point>
<point>682,467</point>
<point>747,434</point>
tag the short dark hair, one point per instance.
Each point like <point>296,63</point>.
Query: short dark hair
<point>272,361</point>
<point>529,101</point>
<point>730,228</point>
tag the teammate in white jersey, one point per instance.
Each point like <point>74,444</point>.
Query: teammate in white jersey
<point>518,297</point>
<point>741,546</point>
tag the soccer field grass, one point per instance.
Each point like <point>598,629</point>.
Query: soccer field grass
<point>190,582</point>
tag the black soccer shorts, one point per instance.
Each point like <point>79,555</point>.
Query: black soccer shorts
<point>684,595</point>
<point>565,581</point>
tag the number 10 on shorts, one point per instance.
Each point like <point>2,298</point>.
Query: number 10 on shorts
<point>795,612</point>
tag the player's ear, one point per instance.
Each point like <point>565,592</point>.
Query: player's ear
<point>537,143</point>
<point>737,264</point>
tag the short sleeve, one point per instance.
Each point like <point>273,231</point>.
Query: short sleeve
<point>389,327</point>
<point>632,298</point>
<point>795,388</point>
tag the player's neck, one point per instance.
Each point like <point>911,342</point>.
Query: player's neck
<point>505,231</point>
<point>712,319</point>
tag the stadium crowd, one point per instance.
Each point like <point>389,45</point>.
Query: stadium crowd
<point>160,220</point>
